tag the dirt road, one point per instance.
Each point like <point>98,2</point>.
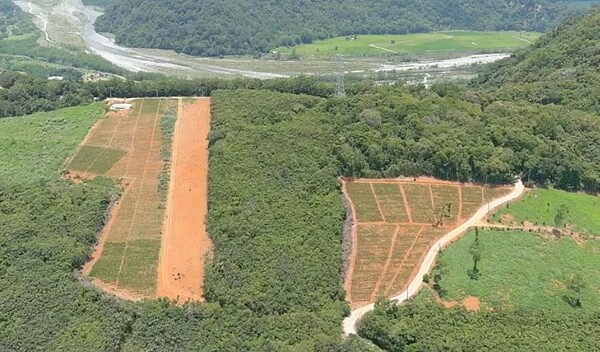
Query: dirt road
<point>185,243</point>
<point>349,324</point>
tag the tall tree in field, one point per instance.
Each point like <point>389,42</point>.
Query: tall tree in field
<point>475,251</point>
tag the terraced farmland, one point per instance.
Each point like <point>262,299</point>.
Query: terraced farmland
<point>396,224</point>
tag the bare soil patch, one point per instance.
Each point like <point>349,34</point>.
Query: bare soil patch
<point>185,243</point>
<point>471,304</point>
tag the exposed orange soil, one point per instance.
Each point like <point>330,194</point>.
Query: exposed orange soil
<point>185,243</point>
<point>394,261</point>
<point>471,303</point>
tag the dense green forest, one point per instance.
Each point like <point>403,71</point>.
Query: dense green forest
<point>424,325</point>
<point>213,27</point>
<point>563,67</point>
<point>446,132</point>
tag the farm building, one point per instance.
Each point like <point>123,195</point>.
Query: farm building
<point>117,107</point>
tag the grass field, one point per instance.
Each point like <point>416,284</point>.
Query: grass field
<point>34,147</point>
<point>396,224</point>
<point>97,160</point>
<point>522,270</point>
<point>540,206</point>
<point>372,45</point>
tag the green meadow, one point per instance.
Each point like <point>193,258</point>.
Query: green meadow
<point>540,207</point>
<point>451,41</point>
<point>34,148</point>
<point>523,270</point>
<point>530,270</point>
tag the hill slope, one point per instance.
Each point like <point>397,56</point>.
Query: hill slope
<point>563,67</point>
<point>213,27</point>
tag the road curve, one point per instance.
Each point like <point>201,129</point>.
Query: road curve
<point>349,324</point>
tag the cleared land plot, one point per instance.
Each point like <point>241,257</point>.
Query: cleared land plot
<point>397,223</point>
<point>374,246</point>
<point>96,160</point>
<point>420,202</point>
<point>364,202</point>
<point>540,207</point>
<point>391,202</point>
<point>523,270</point>
<point>185,240</point>
<point>472,198</point>
<point>490,193</point>
<point>129,256</point>
<point>372,45</point>
<point>446,198</point>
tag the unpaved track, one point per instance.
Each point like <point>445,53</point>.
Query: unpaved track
<point>185,243</point>
<point>349,324</point>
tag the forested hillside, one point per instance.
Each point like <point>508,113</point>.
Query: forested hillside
<point>563,67</point>
<point>425,325</point>
<point>214,27</point>
<point>10,16</point>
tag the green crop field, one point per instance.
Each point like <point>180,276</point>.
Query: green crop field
<point>540,207</point>
<point>459,41</point>
<point>34,147</point>
<point>522,270</point>
<point>97,160</point>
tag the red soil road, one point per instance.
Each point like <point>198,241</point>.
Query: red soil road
<point>185,243</point>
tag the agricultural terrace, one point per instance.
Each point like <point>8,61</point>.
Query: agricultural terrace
<point>456,41</point>
<point>135,148</point>
<point>395,224</point>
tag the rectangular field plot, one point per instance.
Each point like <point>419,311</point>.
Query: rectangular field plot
<point>472,199</point>
<point>138,273</point>
<point>420,202</point>
<point>108,268</point>
<point>391,202</point>
<point>150,106</point>
<point>442,197</point>
<point>96,160</point>
<point>132,243</point>
<point>404,240</point>
<point>373,247</point>
<point>364,202</point>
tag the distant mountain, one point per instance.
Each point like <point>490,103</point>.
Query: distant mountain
<point>217,27</point>
<point>562,67</point>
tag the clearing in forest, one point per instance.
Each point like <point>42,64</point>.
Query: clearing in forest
<point>420,43</point>
<point>532,252</point>
<point>134,147</point>
<point>185,241</point>
<point>395,224</point>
